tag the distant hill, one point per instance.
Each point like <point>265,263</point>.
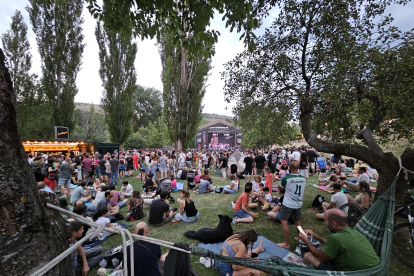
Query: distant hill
<point>87,107</point>
<point>207,116</point>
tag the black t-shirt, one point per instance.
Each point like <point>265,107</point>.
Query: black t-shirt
<point>260,162</point>
<point>114,164</point>
<point>249,162</point>
<point>145,258</point>
<point>129,160</point>
<point>157,210</point>
<point>102,167</point>
<point>272,157</point>
<point>311,156</point>
<point>224,160</point>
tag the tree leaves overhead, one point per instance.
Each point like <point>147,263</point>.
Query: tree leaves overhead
<point>117,71</point>
<point>58,29</point>
<point>149,18</point>
<point>32,108</point>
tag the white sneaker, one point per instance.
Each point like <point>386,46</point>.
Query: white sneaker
<point>64,196</point>
<point>233,204</point>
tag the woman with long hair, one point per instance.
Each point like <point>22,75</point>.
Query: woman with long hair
<point>238,246</point>
<point>188,212</point>
<point>363,198</point>
<point>144,168</point>
<point>135,207</point>
<point>154,164</point>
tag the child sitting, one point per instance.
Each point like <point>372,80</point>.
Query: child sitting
<point>150,186</point>
<point>282,173</point>
<point>173,182</point>
<point>267,198</point>
<point>127,187</point>
<point>322,176</point>
<point>274,214</point>
<point>197,176</point>
<point>256,182</point>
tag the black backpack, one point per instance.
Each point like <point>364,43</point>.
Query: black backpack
<point>36,170</point>
<point>317,202</point>
<point>45,170</point>
<point>184,175</point>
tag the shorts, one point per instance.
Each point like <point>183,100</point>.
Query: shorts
<point>312,165</point>
<point>121,204</point>
<point>64,182</point>
<point>272,169</point>
<point>248,171</point>
<point>122,167</point>
<point>241,214</point>
<point>259,172</point>
<point>225,268</point>
<point>351,186</point>
<point>326,266</point>
<point>143,169</point>
<point>277,218</point>
<point>286,212</point>
<point>130,167</point>
<point>163,170</point>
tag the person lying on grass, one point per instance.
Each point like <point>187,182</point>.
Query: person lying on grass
<point>205,186</point>
<point>238,246</point>
<point>344,250</point>
<point>242,205</point>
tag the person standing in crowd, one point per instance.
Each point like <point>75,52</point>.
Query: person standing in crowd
<point>114,164</point>
<point>293,200</point>
<point>87,165</point>
<point>129,165</point>
<point>260,161</point>
<point>163,168</point>
<point>37,166</point>
<point>65,176</point>
<point>295,156</point>
<point>223,166</point>
<point>312,156</point>
<point>50,179</point>
<point>248,160</point>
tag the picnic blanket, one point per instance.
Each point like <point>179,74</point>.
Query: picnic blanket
<point>271,249</point>
<point>213,191</point>
<point>180,187</point>
<point>329,190</point>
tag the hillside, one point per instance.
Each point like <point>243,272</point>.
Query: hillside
<point>207,116</point>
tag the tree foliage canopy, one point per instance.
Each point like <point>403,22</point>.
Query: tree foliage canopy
<point>117,56</point>
<point>147,106</point>
<point>58,29</point>
<point>333,61</point>
<point>89,126</point>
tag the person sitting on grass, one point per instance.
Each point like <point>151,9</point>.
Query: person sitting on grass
<point>135,207</point>
<point>322,176</point>
<point>238,246</point>
<point>97,186</point>
<point>205,186</point>
<point>352,184</point>
<point>188,212</point>
<point>345,250</point>
<point>116,199</point>
<point>266,199</point>
<point>337,200</point>
<point>363,198</point>
<point>100,217</point>
<point>241,207</point>
<point>330,181</point>
<point>105,202</point>
<point>127,187</point>
<point>282,173</point>
<point>150,185</point>
<point>256,182</point>
<point>83,260</point>
<point>80,193</point>
<point>274,214</point>
<point>160,212</point>
<point>205,175</point>
<point>147,257</point>
<point>233,187</point>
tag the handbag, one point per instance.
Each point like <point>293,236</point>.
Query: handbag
<point>51,177</point>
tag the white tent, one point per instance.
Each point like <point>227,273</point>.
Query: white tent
<point>237,159</point>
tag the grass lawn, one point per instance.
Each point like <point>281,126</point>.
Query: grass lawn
<point>211,205</point>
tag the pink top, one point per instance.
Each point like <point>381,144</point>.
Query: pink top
<point>282,173</point>
<point>174,184</point>
<point>197,177</point>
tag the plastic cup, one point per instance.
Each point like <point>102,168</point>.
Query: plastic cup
<point>178,220</point>
<point>173,221</point>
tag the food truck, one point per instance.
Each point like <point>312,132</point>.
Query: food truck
<point>67,147</point>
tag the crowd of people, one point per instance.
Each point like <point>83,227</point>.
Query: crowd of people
<point>91,183</point>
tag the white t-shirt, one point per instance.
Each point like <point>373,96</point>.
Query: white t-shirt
<point>181,159</point>
<point>340,199</point>
<point>283,151</point>
<point>255,186</point>
<point>363,177</point>
<point>295,156</point>
<point>179,173</point>
<point>268,197</point>
<point>147,159</point>
<point>235,185</point>
<point>128,188</point>
<point>102,220</point>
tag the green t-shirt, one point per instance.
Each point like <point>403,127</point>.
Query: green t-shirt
<point>350,250</point>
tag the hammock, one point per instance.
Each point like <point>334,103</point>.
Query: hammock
<point>376,225</point>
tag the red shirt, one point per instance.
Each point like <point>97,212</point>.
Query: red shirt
<point>268,184</point>
<point>242,200</point>
<point>87,163</point>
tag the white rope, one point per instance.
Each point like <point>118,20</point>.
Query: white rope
<point>68,251</point>
<point>112,230</point>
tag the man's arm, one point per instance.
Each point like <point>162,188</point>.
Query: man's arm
<point>85,267</point>
<point>244,208</point>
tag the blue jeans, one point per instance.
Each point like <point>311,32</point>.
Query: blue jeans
<point>121,204</point>
<point>90,207</point>
<point>114,173</point>
<point>352,180</point>
<point>226,190</point>
<point>97,172</point>
<point>225,268</point>
<point>184,217</point>
<point>180,164</point>
<point>218,171</point>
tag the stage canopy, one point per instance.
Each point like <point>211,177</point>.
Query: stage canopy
<point>218,134</point>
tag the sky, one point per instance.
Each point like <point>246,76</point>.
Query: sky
<point>148,63</point>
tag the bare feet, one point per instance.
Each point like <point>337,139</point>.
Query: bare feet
<point>284,245</point>
<point>259,248</point>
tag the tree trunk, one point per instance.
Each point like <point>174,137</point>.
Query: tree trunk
<point>31,233</point>
<point>384,162</point>
<point>179,145</point>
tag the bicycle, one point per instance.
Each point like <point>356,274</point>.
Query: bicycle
<point>403,236</point>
